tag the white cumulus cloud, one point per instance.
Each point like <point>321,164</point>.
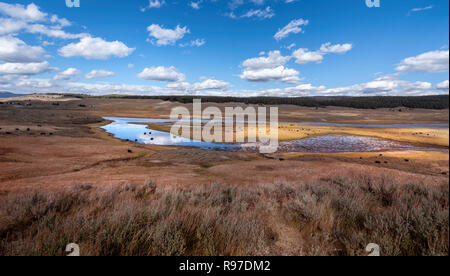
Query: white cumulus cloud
<point>95,74</point>
<point>273,59</point>
<point>32,68</point>
<point>205,84</point>
<point>29,13</point>
<point>304,56</point>
<point>95,48</point>
<point>30,19</point>
<point>9,25</point>
<point>431,62</point>
<point>13,49</point>
<point>154,4</point>
<point>443,86</point>
<point>67,74</point>
<point>269,68</point>
<point>166,36</point>
<point>336,49</point>
<point>161,73</point>
<point>279,73</point>
<point>52,32</point>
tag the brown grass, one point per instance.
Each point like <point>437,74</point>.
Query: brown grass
<point>410,154</point>
<point>332,217</point>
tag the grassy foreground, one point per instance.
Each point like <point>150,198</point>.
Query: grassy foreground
<point>332,217</point>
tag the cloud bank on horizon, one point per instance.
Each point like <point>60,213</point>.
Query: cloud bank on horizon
<point>240,48</point>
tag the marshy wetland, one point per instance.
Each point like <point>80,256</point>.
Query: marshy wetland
<point>135,129</point>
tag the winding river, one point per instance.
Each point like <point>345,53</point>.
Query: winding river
<point>135,129</point>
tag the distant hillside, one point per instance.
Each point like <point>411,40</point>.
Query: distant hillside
<point>4,94</point>
<point>426,102</point>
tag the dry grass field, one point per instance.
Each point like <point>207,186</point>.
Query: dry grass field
<point>63,179</point>
<point>331,217</point>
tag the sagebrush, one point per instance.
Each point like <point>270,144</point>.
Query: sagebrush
<point>332,217</point>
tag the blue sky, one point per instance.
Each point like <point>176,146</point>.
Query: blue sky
<point>225,47</point>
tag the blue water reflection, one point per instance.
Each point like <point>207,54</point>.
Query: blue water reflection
<point>130,129</point>
<point>135,130</point>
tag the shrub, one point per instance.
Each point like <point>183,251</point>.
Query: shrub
<point>329,217</point>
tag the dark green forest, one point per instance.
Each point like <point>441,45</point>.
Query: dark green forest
<point>426,102</point>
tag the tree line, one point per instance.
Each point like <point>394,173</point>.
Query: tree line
<point>426,102</point>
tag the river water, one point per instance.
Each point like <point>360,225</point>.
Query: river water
<point>135,130</point>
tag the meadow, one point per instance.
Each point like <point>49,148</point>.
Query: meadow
<point>331,217</point>
<point>65,180</point>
